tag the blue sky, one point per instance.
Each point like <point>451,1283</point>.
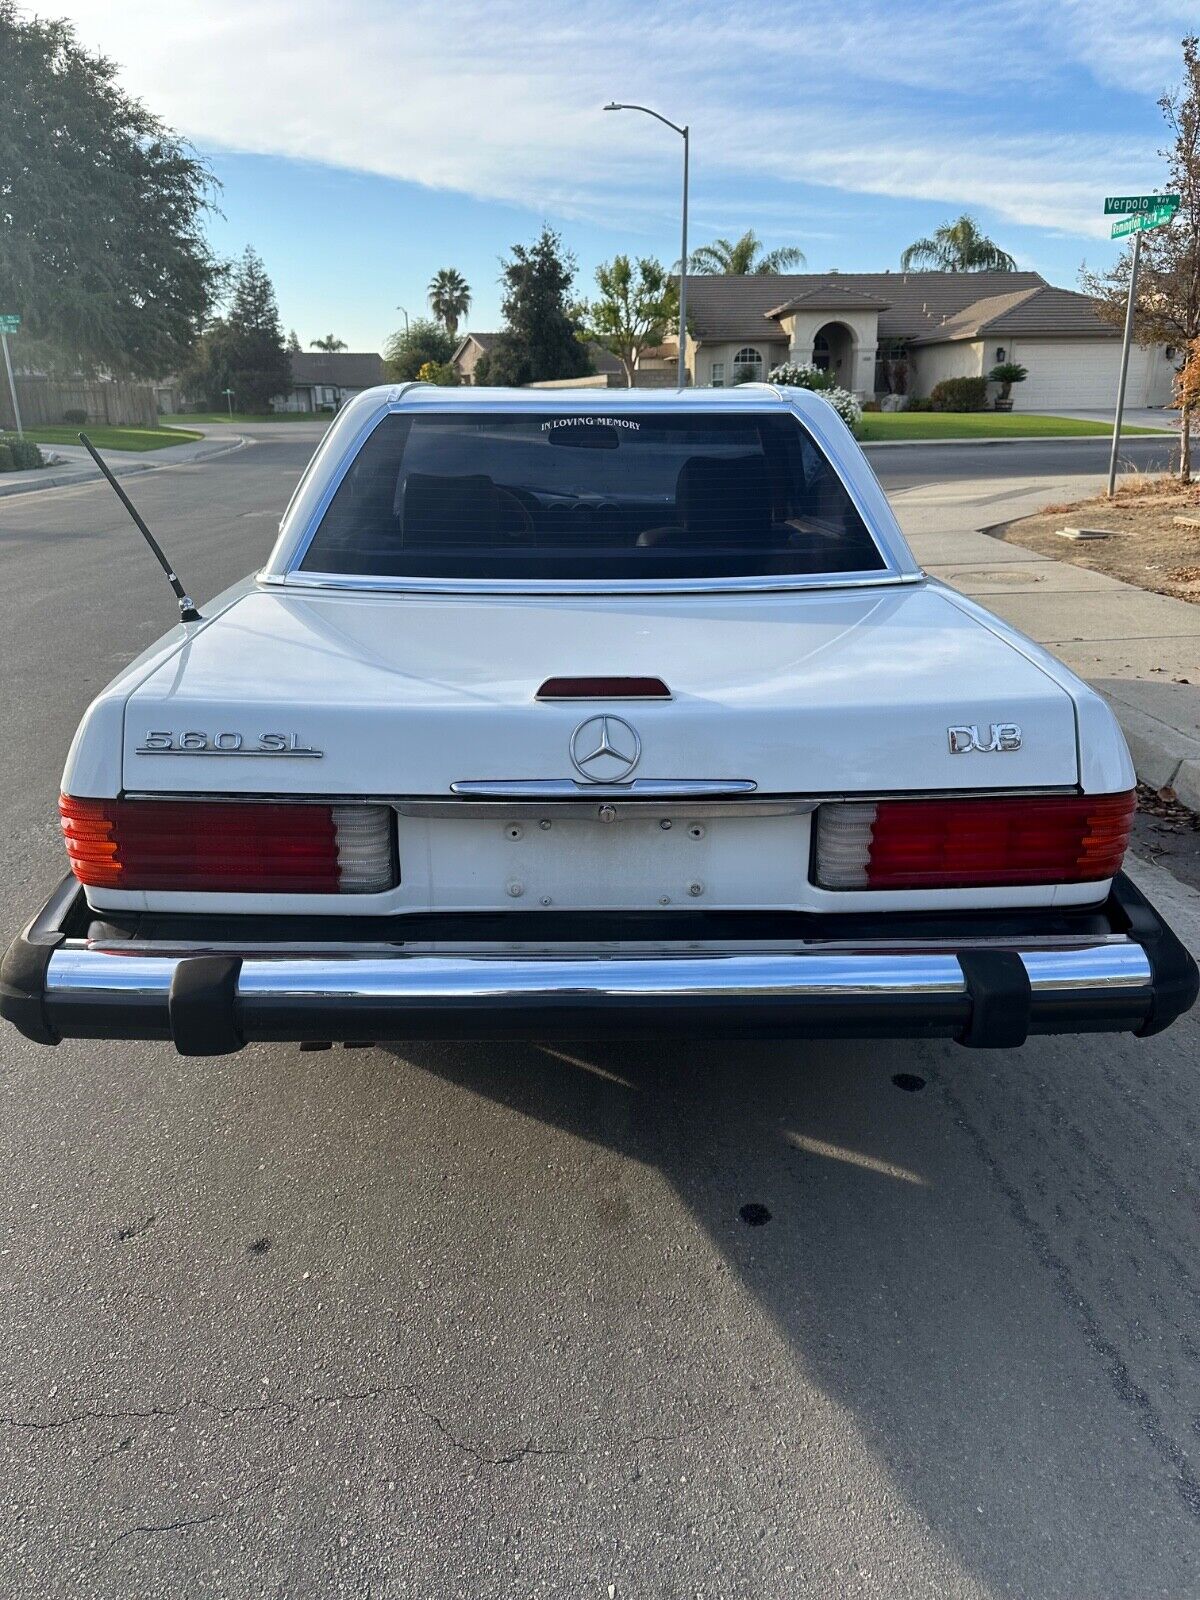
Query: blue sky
<point>362,146</point>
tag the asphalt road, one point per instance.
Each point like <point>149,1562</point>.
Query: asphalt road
<point>487,1321</point>
<point>906,466</point>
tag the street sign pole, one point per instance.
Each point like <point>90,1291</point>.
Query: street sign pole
<point>12,382</point>
<point>1116,444</point>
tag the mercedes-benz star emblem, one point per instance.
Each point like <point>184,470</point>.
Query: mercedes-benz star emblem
<point>605,750</point>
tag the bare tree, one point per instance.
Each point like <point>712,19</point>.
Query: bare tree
<point>1168,294</point>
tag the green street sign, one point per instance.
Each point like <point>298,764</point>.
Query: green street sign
<point>9,322</point>
<point>1142,221</point>
<point>1120,205</point>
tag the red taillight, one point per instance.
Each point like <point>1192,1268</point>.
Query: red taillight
<point>985,843</point>
<point>227,847</point>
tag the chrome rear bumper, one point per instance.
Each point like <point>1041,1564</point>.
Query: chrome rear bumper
<point>1134,977</point>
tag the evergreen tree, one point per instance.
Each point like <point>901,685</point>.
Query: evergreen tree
<point>294,347</point>
<point>541,338</point>
<point>243,350</point>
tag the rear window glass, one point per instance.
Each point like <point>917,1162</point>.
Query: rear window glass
<point>531,495</point>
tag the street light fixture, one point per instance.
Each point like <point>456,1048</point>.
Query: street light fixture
<point>615,105</point>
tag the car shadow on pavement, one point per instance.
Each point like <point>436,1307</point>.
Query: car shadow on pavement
<point>876,1287</point>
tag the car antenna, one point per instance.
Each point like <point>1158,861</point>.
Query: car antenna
<point>187,610</point>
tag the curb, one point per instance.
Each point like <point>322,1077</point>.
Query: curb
<point>1024,438</point>
<point>1163,757</point>
<point>90,474</point>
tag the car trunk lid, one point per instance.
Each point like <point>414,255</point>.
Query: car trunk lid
<point>801,692</point>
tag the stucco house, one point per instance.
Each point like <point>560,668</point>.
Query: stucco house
<point>323,380</point>
<point>879,330</point>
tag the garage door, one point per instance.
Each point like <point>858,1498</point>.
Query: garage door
<point>1076,375</point>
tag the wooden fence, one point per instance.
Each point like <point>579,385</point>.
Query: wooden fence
<point>44,401</point>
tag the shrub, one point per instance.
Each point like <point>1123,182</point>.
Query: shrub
<point>439,372</point>
<point>24,454</point>
<point>75,416</point>
<point>793,375</point>
<point>871,405</point>
<point>920,405</point>
<point>959,394</point>
<point>1006,373</point>
<point>6,460</point>
<point>802,375</point>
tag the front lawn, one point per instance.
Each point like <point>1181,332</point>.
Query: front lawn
<point>879,425</point>
<point>115,438</point>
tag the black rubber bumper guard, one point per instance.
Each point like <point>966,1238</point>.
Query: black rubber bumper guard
<point>205,1014</point>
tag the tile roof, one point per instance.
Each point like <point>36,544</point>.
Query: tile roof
<point>485,341</point>
<point>912,303</point>
<point>346,369</point>
<point>1046,310</point>
<point>831,297</point>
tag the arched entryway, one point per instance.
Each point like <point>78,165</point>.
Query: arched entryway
<point>834,350</point>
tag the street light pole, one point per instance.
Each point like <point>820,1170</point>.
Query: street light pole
<point>401,309</point>
<point>683,132</point>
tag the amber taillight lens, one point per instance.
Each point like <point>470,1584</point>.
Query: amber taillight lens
<point>229,847</point>
<point>961,844</point>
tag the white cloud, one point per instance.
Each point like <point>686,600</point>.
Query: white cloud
<point>501,100</point>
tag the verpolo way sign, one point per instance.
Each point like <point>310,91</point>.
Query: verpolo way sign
<point>1119,205</point>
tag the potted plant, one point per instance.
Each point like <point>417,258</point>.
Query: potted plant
<point>1006,374</point>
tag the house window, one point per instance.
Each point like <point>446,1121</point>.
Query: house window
<point>748,364</point>
<point>821,352</point>
<point>718,374</point>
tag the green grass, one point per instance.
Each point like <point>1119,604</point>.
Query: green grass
<point>253,416</point>
<point>115,438</point>
<point>877,425</point>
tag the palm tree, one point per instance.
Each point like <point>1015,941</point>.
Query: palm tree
<point>742,258</point>
<point>329,342</point>
<point>449,298</point>
<point>957,247</point>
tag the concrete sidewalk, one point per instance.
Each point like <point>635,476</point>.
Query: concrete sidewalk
<point>74,465</point>
<point>1141,650</point>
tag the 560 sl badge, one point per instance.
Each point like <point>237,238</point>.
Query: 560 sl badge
<point>163,743</point>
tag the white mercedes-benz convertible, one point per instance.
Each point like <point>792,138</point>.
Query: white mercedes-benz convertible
<point>585,713</point>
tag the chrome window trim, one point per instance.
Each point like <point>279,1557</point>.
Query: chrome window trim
<point>344,582</point>
<point>284,564</point>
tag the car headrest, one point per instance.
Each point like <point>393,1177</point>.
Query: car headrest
<point>458,509</point>
<point>724,496</point>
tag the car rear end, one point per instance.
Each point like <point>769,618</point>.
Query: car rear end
<point>594,717</point>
